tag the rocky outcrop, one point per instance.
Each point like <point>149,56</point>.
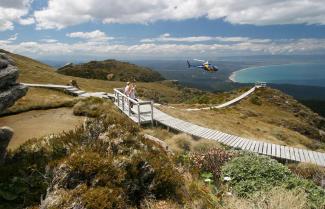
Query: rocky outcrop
<point>10,92</point>
<point>5,136</point>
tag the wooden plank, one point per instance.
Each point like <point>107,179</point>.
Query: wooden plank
<point>297,154</point>
<point>317,158</point>
<point>198,131</point>
<point>265,148</point>
<point>260,147</point>
<point>194,129</point>
<point>225,138</point>
<point>251,148</point>
<point>321,157</point>
<point>273,150</point>
<point>307,158</point>
<point>210,136</point>
<point>242,143</point>
<point>311,155</point>
<point>269,149</point>
<point>278,152</point>
<point>215,136</point>
<point>209,133</point>
<point>247,144</point>
<point>293,154</point>
<point>233,141</point>
<point>282,152</point>
<point>288,154</point>
<point>257,144</point>
<point>236,141</point>
<point>302,156</point>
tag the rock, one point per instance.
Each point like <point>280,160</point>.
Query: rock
<point>74,84</point>
<point>110,76</point>
<point>4,56</point>
<point>11,95</point>
<point>3,63</point>
<point>8,76</point>
<point>5,136</point>
<point>10,91</point>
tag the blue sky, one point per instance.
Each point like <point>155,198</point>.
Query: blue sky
<point>146,29</point>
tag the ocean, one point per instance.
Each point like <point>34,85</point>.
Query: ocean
<point>306,74</point>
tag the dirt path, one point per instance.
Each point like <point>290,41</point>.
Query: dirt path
<point>34,124</point>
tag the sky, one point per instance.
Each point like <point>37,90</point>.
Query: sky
<point>161,29</point>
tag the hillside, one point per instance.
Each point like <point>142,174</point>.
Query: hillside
<point>267,115</point>
<point>111,70</point>
<point>107,161</point>
<point>32,71</point>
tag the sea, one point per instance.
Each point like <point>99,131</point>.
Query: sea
<point>306,74</point>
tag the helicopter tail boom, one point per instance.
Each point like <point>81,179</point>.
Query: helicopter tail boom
<point>188,64</point>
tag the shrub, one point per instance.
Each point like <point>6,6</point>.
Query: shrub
<point>212,160</point>
<point>250,173</point>
<point>255,100</point>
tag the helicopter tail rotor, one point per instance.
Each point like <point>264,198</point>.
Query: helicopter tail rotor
<point>188,64</point>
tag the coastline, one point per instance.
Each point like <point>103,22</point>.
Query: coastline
<point>233,74</point>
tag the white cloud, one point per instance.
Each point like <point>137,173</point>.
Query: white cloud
<point>27,21</point>
<point>95,35</point>
<point>61,13</point>
<point>161,50</point>
<point>13,37</point>
<point>49,40</point>
<point>13,11</point>
<point>168,38</point>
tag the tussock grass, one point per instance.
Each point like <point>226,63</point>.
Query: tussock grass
<point>276,198</point>
<point>277,119</point>
<point>41,99</point>
<point>181,142</point>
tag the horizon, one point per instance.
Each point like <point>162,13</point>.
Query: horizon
<point>161,30</point>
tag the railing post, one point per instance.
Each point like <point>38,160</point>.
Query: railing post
<point>151,105</point>
<point>123,103</point>
<point>139,119</point>
<point>118,99</point>
<point>129,106</point>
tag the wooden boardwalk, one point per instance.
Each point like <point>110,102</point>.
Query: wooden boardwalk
<point>72,90</point>
<point>260,147</point>
<point>147,113</point>
<point>237,99</point>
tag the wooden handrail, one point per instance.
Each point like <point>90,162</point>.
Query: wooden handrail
<point>119,94</point>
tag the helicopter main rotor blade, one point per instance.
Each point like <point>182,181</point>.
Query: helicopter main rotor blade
<point>199,60</point>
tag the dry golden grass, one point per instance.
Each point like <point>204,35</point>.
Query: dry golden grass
<point>277,198</point>
<point>180,142</point>
<point>32,71</point>
<point>260,122</point>
<point>38,98</point>
<point>309,171</point>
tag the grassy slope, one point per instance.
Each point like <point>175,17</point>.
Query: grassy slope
<point>122,71</point>
<point>278,119</point>
<point>32,71</point>
<point>244,119</point>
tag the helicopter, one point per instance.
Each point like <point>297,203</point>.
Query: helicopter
<point>205,66</point>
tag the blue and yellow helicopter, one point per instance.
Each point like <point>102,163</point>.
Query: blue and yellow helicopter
<point>205,66</point>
